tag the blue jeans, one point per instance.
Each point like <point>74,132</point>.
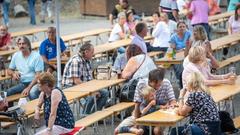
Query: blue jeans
<point>5,7</point>
<point>101,101</point>
<point>31,9</point>
<point>178,68</point>
<point>194,129</point>
<point>33,94</point>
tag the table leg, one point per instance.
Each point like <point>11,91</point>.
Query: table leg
<point>150,130</point>
<point>95,102</point>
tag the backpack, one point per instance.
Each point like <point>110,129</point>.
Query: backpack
<point>128,90</point>
<point>227,124</point>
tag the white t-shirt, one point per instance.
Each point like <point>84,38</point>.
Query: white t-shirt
<point>161,34</point>
<point>172,25</point>
<point>114,36</point>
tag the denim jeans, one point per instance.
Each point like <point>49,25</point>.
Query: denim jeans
<point>194,129</point>
<point>33,94</point>
<point>5,7</point>
<point>31,9</point>
<point>178,69</point>
<point>46,8</point>
<point>101,101</point>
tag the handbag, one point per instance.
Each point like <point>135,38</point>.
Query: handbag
<point>102,73</point>
<point>128,90</point>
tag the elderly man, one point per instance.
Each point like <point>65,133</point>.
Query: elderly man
<point>24,67</point>
<point>138,39</point>
<point>123,6</point>
<point>78,70</point>
<point>5,38</point>
<point>48,49</point>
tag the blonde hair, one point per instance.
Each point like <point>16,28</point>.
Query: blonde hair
<point>196,82</point>
<point>147,90</point>
<point>201,33</point>
<point>196,54</point>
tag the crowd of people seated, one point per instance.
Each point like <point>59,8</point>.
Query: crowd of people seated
<point>34,73</point>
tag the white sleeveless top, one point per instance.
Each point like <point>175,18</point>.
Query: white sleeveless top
<point>147,66</point>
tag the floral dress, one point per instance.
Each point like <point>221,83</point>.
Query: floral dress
<point>204,110</point>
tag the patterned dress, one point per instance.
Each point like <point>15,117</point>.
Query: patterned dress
<point>204,110</point>
<point>64,116</point>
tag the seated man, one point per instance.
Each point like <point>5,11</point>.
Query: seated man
<point>123,6</point>
<point>24,67</point>
<point>78,70</point>
<point>164,93</point>
<point>5,38</point>
<point>48,49</point>
<point>138,39</point>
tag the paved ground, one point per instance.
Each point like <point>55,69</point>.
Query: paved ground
<point>73,25</point>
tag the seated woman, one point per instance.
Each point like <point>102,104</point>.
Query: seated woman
<point>131,22</point>
<point>57,113</point>
<point>138,65</point>
<point>234,22</point>
<point>198,63</point>
<point>119,31</point>
<point>5,38</point>
<point>181,38</point>
<point>200,38</point>
<point>200,106</point>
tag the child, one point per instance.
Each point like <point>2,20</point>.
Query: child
<point>128,126</point>
<point>150,104</point>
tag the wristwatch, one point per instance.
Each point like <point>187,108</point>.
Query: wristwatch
<point>49,129</point>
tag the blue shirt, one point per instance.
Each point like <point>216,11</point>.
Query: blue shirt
<point>139,41</point>
<point>27,66</point>
<point>49,50</point>
<point>120,62</point>
<point>180,42</point>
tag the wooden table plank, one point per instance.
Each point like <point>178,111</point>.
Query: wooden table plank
<point>28,32</point>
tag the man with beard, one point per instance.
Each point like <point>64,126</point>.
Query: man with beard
<point>24,67</point>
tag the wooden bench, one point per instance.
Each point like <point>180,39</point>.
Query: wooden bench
<point>14,97</point>
<point>237,122</point>
<point>93,118</point>
<point>120,107</point>
<point>229,61</point>
<point>28,32</point>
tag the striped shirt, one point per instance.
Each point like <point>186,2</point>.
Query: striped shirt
<point>77,67</point>
<point>165,93</point>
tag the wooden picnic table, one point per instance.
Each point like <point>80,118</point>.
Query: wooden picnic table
<point>81,35</point>
<point>28,32</point>
<point>217,44</point>
<point>160,118</point>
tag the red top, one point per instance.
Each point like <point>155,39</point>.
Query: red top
<point>5,40</point>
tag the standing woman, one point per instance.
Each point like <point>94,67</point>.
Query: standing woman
<point>199,10</point>
<point>200,106</point>
<point>234,22</point>
<point>57,113</point>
